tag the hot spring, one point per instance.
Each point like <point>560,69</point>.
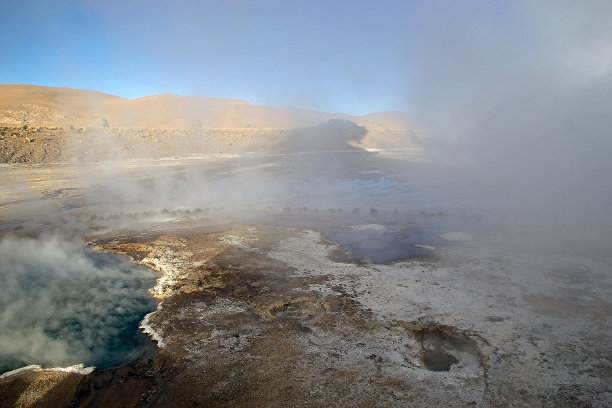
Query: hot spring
<point>63,304</point>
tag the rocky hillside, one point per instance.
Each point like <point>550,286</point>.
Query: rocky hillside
<point>55,144</point>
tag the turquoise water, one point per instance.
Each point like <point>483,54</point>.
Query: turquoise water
<point>63,305</point>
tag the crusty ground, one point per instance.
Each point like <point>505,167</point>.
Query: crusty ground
<point>259,315</point>
<point>245,324</point>
<point>239,331</point>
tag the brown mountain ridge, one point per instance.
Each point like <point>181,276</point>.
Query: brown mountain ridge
<point>53,106</point>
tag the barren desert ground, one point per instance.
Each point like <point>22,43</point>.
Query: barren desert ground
<point>360,289</point>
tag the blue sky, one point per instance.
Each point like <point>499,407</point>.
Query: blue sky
<point>345,56</point>
<point>350,56</point>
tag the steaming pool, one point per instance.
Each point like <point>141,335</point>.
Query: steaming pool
<point>63,304</point>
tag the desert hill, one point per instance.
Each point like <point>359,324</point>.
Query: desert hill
<point>51,106</point>
<point>46,125</point>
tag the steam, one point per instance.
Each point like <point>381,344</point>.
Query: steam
<point>232,184</point>
<point>520,94</point>
<point>61,304</point>
<point>516,94</point>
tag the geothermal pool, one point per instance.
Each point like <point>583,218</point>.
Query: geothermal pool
<point>62,304</point>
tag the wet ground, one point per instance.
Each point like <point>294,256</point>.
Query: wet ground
<point>334,280</point>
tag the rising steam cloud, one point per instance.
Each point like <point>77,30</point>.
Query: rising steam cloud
<point>521,95</point>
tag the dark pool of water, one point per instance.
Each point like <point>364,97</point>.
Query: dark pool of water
<point>380,238</point>
<point>381,243</point>
<point>435,360</point>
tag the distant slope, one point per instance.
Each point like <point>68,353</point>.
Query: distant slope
<point>51,106</point>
